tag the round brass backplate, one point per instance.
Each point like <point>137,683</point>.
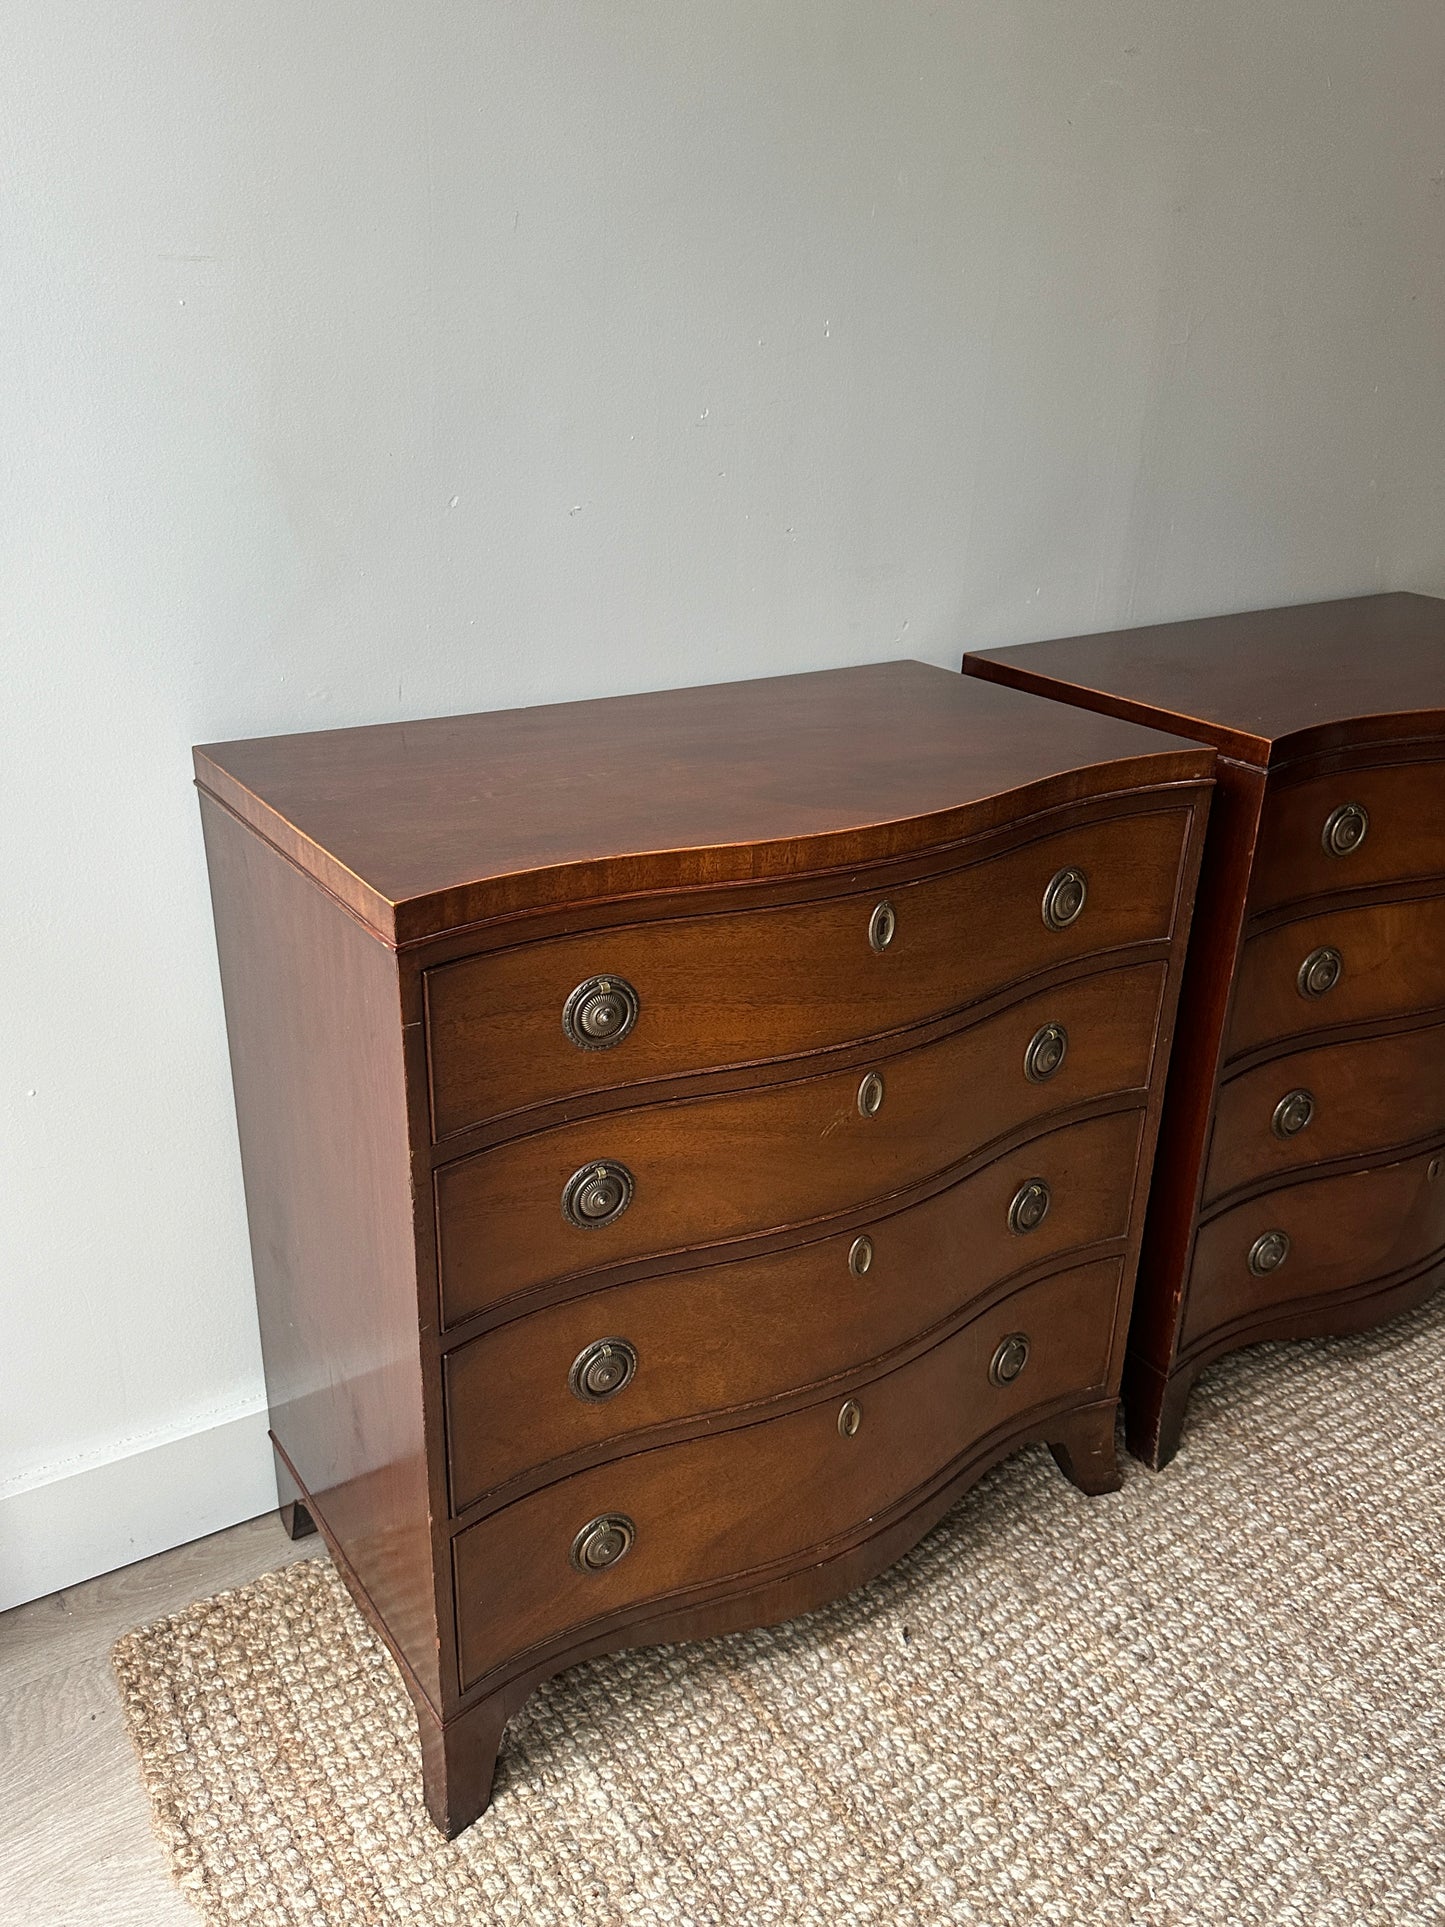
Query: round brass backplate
<point>602,1370</point>
<point>860,1255</point>
<point>1064,898</point>
<point>597,1195</point>
<point>1268,1253</point>
<point>1009,1359</point>
<point>1345,829</point>
<point>603,1541</point>
<point>850,1417</point>
<point>600,1012</point>
<point>1293,1113</point>
<point>1045,1055</point>
<point>1320,972</point>
<point>1030,1206</point>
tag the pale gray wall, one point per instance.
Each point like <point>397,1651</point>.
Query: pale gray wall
<point>366,360</point>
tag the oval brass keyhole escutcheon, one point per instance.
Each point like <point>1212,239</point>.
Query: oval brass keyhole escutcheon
<point>860,1257</point>
<point>850,1417</point>
<point>1320,972</point>
<point>1064,898</point>
<point>1268,1253</point>
<point>1009,1359</point>
<point>882,925</point>
<point>602,1542</point>
<point>1293,1113</point>
<point>1030,1206</point>
<point>600,1012</point>
<point>870,1095</point>
<point>1433,1169</point>
<point>602,1371</point>
<point>1345,829</point>
<point>1048,1047</point>
<point>597,1195</point>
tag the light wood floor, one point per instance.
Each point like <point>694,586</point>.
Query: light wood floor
<point>76,1848</point>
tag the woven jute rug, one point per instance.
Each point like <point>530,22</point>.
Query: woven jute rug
<point>1217,1696</point>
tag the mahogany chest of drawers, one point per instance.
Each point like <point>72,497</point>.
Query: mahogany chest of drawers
<point>1300,1182</point>
<point>687,1139</point>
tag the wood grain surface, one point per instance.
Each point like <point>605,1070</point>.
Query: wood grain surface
<point>427,826</point>
<point>729,989</point>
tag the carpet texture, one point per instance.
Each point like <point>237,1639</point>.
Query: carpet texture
<point>1215,1697</point>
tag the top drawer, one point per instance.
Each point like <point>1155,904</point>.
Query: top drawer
<point>1384,825</point>
<point>567,1015</point>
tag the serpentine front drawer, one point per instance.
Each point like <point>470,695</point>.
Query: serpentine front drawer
<point>628,1005</point>
<point>663,1179</point>
<point>659,1526</point>
<point>660,1351</point>
<point>1309,1035</point>
<point>671,1109</point>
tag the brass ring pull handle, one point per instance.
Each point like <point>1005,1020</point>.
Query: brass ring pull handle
<point>1065,898</point>
<point>1320,972</point>
<point>604,1369</point>
<point>1268,1253</point>
<point>1009,1359</point>
<point>1345,829</point>
<point>1030,1206</point>
<point>600,1012</point>
<point>603,1541</point>
<point>1293,1113</point>
<point>597,1195</point>
<point>1045,1055</point>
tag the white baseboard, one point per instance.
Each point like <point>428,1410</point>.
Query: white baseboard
<point>91,1518</point>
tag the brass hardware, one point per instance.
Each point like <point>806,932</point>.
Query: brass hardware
<point>602,1370</point>
<point>861,1255</point>
<point>1268,1253</point>
<point>1293,1113</point>
<point>1433,1169</point>
<point>602,1542</point>
<point>1065,898</point>
<point>1047,1050</point>
<point>870,1095</point>
<point>1030,1206</point>
<point>1010,1358</point>
<point>1345,829</point>
<point>1320,972</point>
<point>882,925</point>
<point>850,1417</point>
<point>600,1012</point>
<point>596,1195</point>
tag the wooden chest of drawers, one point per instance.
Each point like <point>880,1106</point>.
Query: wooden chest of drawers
<point>1300,1183</point>
<point>687,1139</point>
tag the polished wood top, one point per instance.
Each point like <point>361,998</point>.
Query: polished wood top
<point>421,827</point>
<point>1265,686</point>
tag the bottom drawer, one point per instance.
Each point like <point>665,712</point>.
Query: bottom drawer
<point>1308,1240</point>
<point>775,1493</point>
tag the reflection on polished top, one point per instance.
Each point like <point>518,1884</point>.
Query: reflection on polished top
<point>1266,685</point>
<point>423,826</point>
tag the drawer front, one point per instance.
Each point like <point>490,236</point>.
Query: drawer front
<point>774,1491</point>
<point>1333,1101</point>
<point>706,1170</point>
<point>1388,961</point>
<point>659,1350</point>
<point>1339,832</point>
<point>1340,1232</point>
<point>743,987</point>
